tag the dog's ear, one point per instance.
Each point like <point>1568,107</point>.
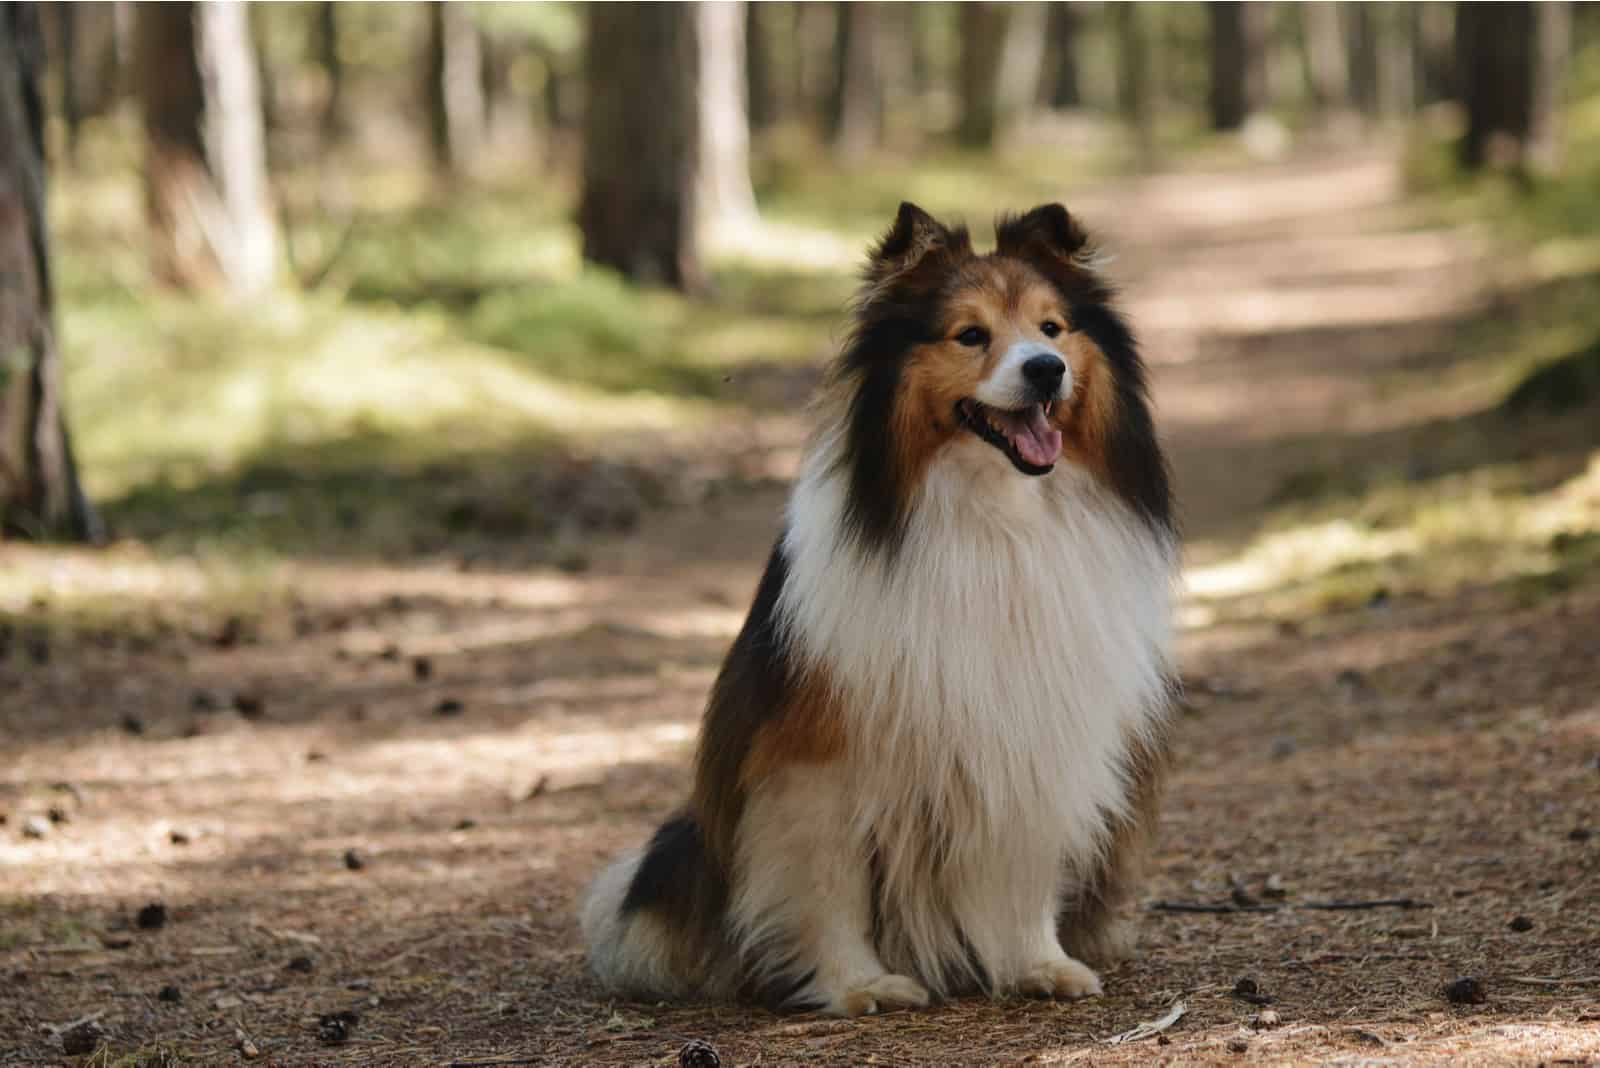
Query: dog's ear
<point>1045,234</point>
<point>915,240</point>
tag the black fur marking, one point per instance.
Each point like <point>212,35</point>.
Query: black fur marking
<point>750,690</point>
<point>675,871</point>
<point>1137,468</point>
<point>888,330</point>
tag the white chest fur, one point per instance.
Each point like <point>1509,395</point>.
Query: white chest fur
<point>991,674</point>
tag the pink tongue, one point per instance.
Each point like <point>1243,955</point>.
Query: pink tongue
<point>1035,440</point>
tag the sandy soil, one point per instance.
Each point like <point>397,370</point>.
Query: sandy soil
<point>383,798</point>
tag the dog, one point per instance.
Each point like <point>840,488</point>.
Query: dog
<point>931,756</point>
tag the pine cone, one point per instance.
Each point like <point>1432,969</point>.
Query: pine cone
<point>698,1054</point>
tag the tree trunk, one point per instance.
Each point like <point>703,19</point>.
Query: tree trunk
<point>637,210</point>
<point>983,44</point>
<point>66,27</point>
<point>1135,98</point>
<point>1363,51</point>
<point>39,491</point>
<point>856,114</point>
<point>1327,63</point>
<point>1060,83</point>
<point>765,97</point>
<point>1239,40</point>
<point>1435,60</point>
<point>205,161</point>
<point>1397,48</point>
<point>1510,60</point>
<point>335,122</point>
<point>726,199</point>
<point>453,85</point>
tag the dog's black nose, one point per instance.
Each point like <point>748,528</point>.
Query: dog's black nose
<point>1044,374</point>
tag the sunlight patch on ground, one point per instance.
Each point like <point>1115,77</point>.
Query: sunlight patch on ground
<point>1431,538</point>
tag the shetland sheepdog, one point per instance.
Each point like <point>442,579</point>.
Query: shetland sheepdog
<point>930,757</point>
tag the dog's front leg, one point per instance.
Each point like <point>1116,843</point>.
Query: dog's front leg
<point>802,896</point>
<point>1051,973</point>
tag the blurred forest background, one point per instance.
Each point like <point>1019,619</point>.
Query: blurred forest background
<point>397,402</point>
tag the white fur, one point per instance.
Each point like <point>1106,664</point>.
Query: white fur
<point>991,672</point>
<point>629,952</point>
<point>1006,388</point>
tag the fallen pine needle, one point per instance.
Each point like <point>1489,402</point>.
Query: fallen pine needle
<point>1536,980</point>
<point>1150,1028</point>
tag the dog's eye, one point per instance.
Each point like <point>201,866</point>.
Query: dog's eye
<point>1050,328</point>
<point>973,336</point>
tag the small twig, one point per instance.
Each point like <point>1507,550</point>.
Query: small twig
<point>1322,906</point>
<point>56,1029</point>
<point>1376,903</point>
<point>1536,980</point>
<point>1150,1028</point>
<point>495,1064</point>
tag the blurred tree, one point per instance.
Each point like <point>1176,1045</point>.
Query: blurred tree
<point>1435,59</point>
<point>1135,88</point>
<point>641,139</point>
<point>205,170</point>
<point>983,46</point>
<point>334,123</point>
<point>40,494</point>
<point>1059,86</point>
<point>453,85</point>
<point>1239,41</point>
<point>764,87</point>
<point>84,45</point>
<point>1002,54</point>
<point>725,196</point>
<point>66,24</point>
<point>1327,63</point>
<point>1511,61</point>
<point>855,108</point>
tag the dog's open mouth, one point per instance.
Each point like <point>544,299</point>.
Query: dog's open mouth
<point>1025,435</point>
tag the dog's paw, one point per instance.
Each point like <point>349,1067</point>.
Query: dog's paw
<point>882,994</point>
<point>1064,978</point>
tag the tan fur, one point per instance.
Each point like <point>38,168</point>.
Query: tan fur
<point>1090,926</point>
<point>1086,419</point>
<point>810,730</point>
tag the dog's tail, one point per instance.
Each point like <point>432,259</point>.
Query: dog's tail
<point>654,920</point>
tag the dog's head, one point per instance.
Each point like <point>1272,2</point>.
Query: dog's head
<point>1012,359</point>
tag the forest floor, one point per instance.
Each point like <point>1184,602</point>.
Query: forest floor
<point>350,824</point>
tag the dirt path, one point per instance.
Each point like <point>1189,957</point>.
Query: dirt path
<point>384,799</point>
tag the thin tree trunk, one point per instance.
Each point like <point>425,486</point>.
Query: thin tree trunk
<point>1134,97</point>
<point>726,199</point>
<point>983,46</point>
<point>66,20</point>
<point>1397,74</point>
<point>40,495</point>
<point>205,159</point>
<point>1511,57</point>
<point>1552,41</point>
<point>1021,63</point>
<point>765,103</point>
<point>1435,62</point>
<point>334,123</point>
<point>1363,51</point>
<point>637,210</point>
<point>454,86</point>
<point>857,110</point>
<point>1327,61</point>
<point>1239,40</point>
<point>1060,84</point>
